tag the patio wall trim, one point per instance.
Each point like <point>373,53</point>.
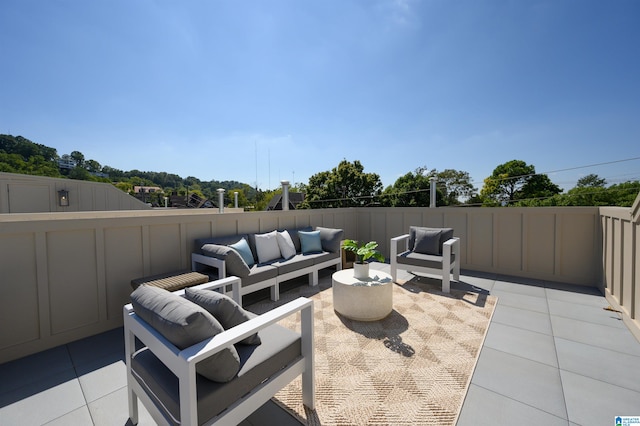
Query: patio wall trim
<point>66,276</point>
<point>621,261</point>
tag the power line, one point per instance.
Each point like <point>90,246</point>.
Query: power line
<point>605,163</point>
<point>426,190</point>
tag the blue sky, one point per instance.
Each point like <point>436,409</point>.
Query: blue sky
<point>260,91</point>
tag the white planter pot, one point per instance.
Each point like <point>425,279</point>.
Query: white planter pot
<point>361,271</point>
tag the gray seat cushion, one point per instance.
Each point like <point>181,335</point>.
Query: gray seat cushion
<point>259,273</point>
<point>184,324</point>
<point>323,257</point>
<point>423,260</point>
<point>280,347</point>
<point>297,262</point>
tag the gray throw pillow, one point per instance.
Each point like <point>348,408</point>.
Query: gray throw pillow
<point>224,309</point>
<point>330,239</point>
<point>427,241</point>
<point>184,324</point>
<point>233,261</point>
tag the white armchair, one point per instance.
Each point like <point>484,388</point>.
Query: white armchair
<point>166,379</point>
<point>427,250</point>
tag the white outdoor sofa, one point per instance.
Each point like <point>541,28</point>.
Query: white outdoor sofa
<point>164,377</point>
<point>427,250</point>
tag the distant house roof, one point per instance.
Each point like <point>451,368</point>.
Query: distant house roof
<point>147,189</point>
<point>295,198</point>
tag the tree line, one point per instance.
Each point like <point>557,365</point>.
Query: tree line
<point>20,155</point>
<point>514,183</point>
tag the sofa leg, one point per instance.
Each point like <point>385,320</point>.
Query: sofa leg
<point>313,278</point>
<point>275,292</point>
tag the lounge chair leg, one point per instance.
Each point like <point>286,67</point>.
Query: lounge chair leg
<point>446,282</point>
<point>133,407</point>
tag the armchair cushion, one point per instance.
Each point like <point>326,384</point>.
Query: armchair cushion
<point>427,241</point>
<point>184,324</point>
<point>445,235</point>
<point>224,309</point>
<point>310,242</point>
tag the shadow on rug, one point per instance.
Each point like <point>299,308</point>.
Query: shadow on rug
<point>412,367</point>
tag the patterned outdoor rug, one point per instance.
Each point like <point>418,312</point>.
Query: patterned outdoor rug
<point>412,367</point>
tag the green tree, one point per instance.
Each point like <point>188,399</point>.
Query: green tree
<point>539,186</point>
<point>411,190</point>
<point>624,194</point>
<point>78,157</point>
<point>516,180</point>
<point>455,185</point>
<point>93,166</point>
<point>346,185</point>
<point>590,190</point>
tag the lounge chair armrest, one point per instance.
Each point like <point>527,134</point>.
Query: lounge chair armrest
<point>400,238</point>
<point>454,243</point>
<point>394,244</point>
<point>206,348</point>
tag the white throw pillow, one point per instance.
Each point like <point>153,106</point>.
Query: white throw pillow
<point>267,247</point>
<point>287,249</point>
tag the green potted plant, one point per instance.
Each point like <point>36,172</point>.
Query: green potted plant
<point>363,252</point>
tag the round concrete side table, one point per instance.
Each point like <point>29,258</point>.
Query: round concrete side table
<point>368,299</point>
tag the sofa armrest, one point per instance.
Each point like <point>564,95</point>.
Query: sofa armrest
<point>197,258</point>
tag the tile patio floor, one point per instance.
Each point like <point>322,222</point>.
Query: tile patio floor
<point>552,356</point>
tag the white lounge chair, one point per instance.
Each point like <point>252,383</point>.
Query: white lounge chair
<point>427,250</point>
<point>165,379</point>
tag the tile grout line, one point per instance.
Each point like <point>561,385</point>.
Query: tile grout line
<point>555,349</point>
<point>75,370</point>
